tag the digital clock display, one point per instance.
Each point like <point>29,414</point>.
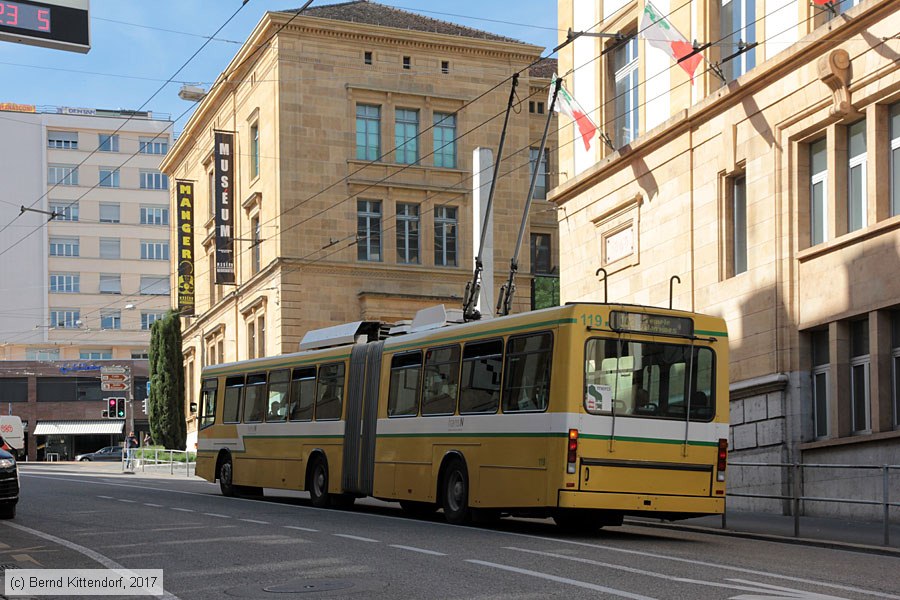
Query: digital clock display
<point>25,16</point>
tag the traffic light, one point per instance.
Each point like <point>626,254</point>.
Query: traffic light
<point>144,406</point>
<point>120,408</point>
<point>111,413</point>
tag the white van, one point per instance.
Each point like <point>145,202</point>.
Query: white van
<point>12,433</point>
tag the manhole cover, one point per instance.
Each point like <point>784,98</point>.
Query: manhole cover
<point>301,586</point>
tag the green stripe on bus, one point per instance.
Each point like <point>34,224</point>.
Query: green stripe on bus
<point>591,436</point>
<point>546,435</point>
<point>278,365</point>
<point>487,332</point>
<point>276,437</point>
<point>712,333</point>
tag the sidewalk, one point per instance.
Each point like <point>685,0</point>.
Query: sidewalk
<point>862,536</point>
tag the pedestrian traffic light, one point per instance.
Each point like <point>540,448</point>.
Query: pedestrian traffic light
<point>144,406</point>
<point>120,408</point>
<point>111,413</point>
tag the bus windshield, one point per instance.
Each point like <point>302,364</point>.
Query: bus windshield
<point>648,379</point>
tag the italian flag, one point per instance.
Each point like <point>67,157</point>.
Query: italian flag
<point>663,35</point>
<point>569,106</point>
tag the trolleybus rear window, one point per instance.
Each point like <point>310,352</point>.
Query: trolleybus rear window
<point>481,373</point>
<point>441,381</point>
<point>303,394</point>
<point>330,392</point>
<point>526,386</point>
<point>403,398</point>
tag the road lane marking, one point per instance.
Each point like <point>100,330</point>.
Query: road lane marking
<point>182,509</point>
<point>217,515</point>
<point>300,528</point>
<point>153,505</point>
<point>414,549</point>
<point>355,537</point>
<point>565,580</point>
<point>100,558</point>
<point>776,592</point>
<point>128,501</point>
<point>106,497</point>
<point>255,521</point>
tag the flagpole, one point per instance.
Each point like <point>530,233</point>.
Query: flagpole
<point>508,290</point>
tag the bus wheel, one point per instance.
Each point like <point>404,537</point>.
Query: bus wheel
<point>456,494</point>
<point>318,484</point>
<point>417,509</point>
<point>226,478</point>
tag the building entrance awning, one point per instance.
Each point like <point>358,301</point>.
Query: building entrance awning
<point>79,427</point>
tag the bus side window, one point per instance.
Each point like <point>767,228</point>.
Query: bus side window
<point>526,386</point>
<point>403,397</point>
<point>441,381</point>
<point>231,409</point>
<point>330,392</point>
<point>482,371</point>
<point>303,394</point>
<point>255,398</point>
<point>278,396</point>
<point>208,402</point>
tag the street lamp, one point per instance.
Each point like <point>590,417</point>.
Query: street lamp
<point>191,93</point>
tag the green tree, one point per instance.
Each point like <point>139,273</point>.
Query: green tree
<point>166,400</point>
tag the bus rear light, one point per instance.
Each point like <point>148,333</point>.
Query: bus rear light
<point>722,460</point>
<point>572,454</point>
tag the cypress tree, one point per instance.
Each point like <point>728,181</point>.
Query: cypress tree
<point>166,401</point>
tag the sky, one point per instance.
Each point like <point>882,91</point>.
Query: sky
<point>137,45</point>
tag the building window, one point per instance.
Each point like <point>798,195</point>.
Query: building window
<point>108,143</point>
<point>445,67</point>
<point>62,140</point>
<point>895,159</point>
<point>154,180</point>
<point>367,57</point>
<point>445,140</point>
<point>739,224</point>
<point>856,176</point>
<point>154,215</point>
<point>154,250</point>
<point>820,383</point>
<point>406,136</point>
<point>67,319</point>
<point>541,262</point>
<point>39,354</point>
<point>65,283</point>
<point>368,132</point>
<point>368,230</point>
<point>110,248</point>
<point>109,177</point>
<point>153,145</point>
<point>818,192</point>
<point>110,284</point>
<point>110,319</point>
<point>407,233</point>
<point>255,232</point>
<point>109,212</point>
<point>895,364</point>
<point>737,24</point>
<point>859,375</point>
<point>62,175</point>
<point>445,232</point>
<point>139,356</point>
<point>95,355</point>
<point>212,193</point>
<point>540,185</point>
<point>535,107</point>
<point>64,247</point>
<point>149,318</point>
<point>64,211</point>
<point>154,286</point>
<point>251,339</point>
<point>625,75</point>
<point>254,150</point>
<point>407,62</point>
<point>261,336</point>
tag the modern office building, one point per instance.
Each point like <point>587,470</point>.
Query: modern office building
<point>354,127</point>
<point>84,268</point>
<point>769,183</point>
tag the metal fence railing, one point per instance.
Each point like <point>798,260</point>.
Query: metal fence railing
<point>796,484</point>
<point>177,461</point>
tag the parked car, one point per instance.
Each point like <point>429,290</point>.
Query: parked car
<point>9,485</point>
<point>110,453</point>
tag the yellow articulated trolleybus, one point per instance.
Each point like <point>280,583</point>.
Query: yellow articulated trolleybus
<point>584,413</point>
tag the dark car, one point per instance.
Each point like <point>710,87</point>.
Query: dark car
<point>110,453</point>
<point>9,485</point>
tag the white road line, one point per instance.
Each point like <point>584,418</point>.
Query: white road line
<point>255,521</point>
<point>153,505</point>
<point>128,501</point>
<point>565,580</point>
<point>414,549</point>
<point>106,497</point>
<point>217,515</point>
<point>182,509</point>
<point>103,560</point>
<point>355,537</point>
<point>299,528</point>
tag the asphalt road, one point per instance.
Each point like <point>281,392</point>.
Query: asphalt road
<point>280,548</point>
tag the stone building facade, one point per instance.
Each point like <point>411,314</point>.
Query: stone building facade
<point>771,187</point>
<point>355,126</point>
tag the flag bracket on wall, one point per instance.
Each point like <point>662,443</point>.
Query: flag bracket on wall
<point>827,5</point>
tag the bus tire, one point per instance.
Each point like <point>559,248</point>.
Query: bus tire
<point>318,483</point>
<point>455,493</point>
<point>226,478</point>
<point>418,509</point>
